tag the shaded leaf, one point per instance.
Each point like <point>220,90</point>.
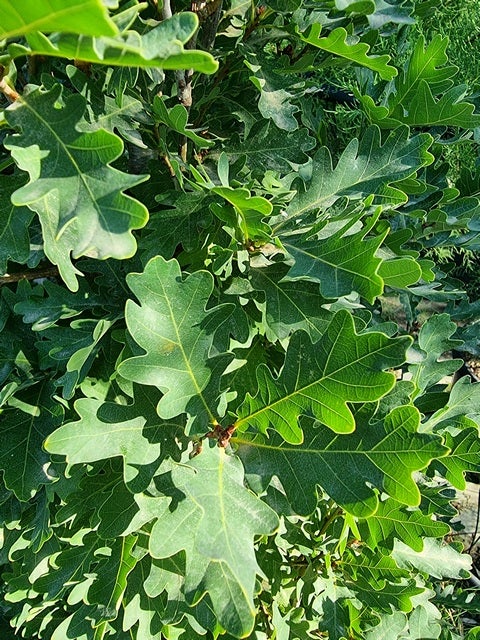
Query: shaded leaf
<point>223,518</point>
<point>267,147</point>
<point>14,223</point>
<point>434,340</point>
<point>176,118</point>
<point>290,306</point>
<point>33,416</point>
<point>341,263</point>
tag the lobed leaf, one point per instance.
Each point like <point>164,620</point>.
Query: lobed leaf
<point>77,195</point>
<point>317,379</point>
<point>223,518</point>
<point>352,469</point>
<point>87,17</point>
<point>365,167</point>
<point>336,43</point>
<point>169,324</point>
<point>161,46</point>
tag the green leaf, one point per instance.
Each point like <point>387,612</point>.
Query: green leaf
<point>177,118</point>
<point>424,93</point>
<point>161,46</point>
<point>400,273</point>
<point>111,578</point>
<point>342,262</point>
<point>464,401</point>
<point>290,306</point>
<point>317,379</point>
<point>33,415</point>
<point>50,302</point>
<point>350,468</point>
<point>87,17</point>
<point>392,521</point>
<point>168,326</point>
<point>434,341</point>
<point>223,517</point>
<point>78,197</point>
<point>365,167</point>
<point>437,559</point>
<point>105,430</point>
<point>14,223</point>
<point>339,43</point>
<point>268,147</point>
<point>464,456</point>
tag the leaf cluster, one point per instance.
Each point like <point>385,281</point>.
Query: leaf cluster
<point>211,425</point>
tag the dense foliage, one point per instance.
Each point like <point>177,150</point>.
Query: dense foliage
<point>213,423</point>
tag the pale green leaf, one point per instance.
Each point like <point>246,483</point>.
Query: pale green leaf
<point>267,147</point>
<point>105,430</point>
<point>434,341</point>
<point>87,17</point>
<point>400,273</point>
<point>464,401</point>
<point>437,559</point>
<point>318,379</point>
<point>223,517</point>
<point>77,195</point>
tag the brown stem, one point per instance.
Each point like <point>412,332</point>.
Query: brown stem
<point>45,272</point>
<point>7,91</point>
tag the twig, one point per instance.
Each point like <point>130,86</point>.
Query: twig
<point>7,91</point>
<point>45,272</point>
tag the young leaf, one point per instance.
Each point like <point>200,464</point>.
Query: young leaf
<point>350,468</point>
<point>87,17</point>
<point>78,197</point>
<point>215,524</point>
<point>318,379</point>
